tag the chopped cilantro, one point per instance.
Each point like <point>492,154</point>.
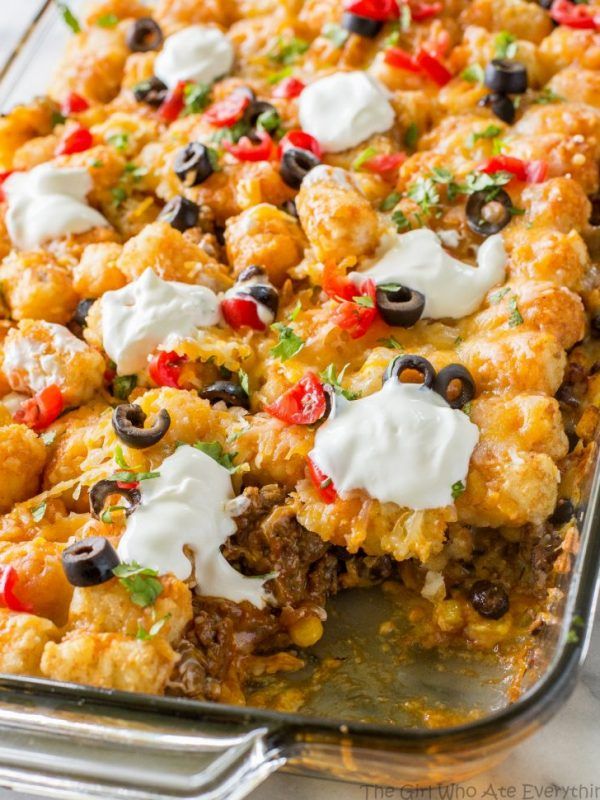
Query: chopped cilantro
<point>276,77</point>
<point>134,172</point>
<point>336,34</point>
<point>124,385</point>
<point>506,45</point>
<point>119,195</point>
<point>244,381</point>
<point>106,515</point>
<point>196,97</point>
<point>457,489</point>
<point>473,73</point>
<point>48,437</point>
<point>515,317</point>
<point>107,20</point>
<point>288,52</point>
<point>364,300</point>
<point>69,18</point>
<point>390,201</point>
<point>363,157</point>
<point>141,582</point>
<point>119,141</point>
<point>547,96</point>
<point>393,36</point>
<point>482,182</point>
<point>295,311</point>
<point>488,133</point>
<point>467,408</point>
<point>497,296</point>
<point>411,136</point>
<point>392,343</point>
<point>289,343</point>
<point>127,474</point>
<point>57,119</point>
<point>424,192</point>
<point>216,452</point>
<point>330,376</point>
<point>232,134</point>
<point>145,635</point>
<point>38,512</point>
<point>401,221</point>
<point>269,121</point>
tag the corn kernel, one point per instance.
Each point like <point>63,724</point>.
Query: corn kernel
<point>306,632</point>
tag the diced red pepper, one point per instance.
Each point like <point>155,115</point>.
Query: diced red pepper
<point>130,485</point>
<point>74,104</point>
<point>355,318</point>
<point>165,368</point>
<point>433,68</point>
<point>289,88</point>
<point>527,171</point>
<point>247,150</point>
<point>42,409</point>
<point>4,176</point>
<point>8,580</point>
<point>380,10</point>
<point>227,112</point>
<point>76,141</point>
<point>173,104</point>
<point>241,312</point>
<point>385,164</point>
<point>423,11</point>
<point>321,482</point>
<point>303,404</point>
<point>302,140</point>
<point>336,284</point>
<point>400,59</point>
<point>573,15</point>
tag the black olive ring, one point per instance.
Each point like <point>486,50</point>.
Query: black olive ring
<point>256,109</point>
<point>82,311</point>
<point>103,489</point>
<point>455,372</point>
<point>401,363</point>
<point>180,213</point>
<point>253,271</point>
<point>153,92</point>
<point>362,26</point>
<point>128,423</point>
<point>476,205</point>
<point>296,163</point>
<point>192,164</point>
<point>401,306</point>
<point>506,76</point>
<point>145,34</point>
<point>89,562</point>
<point>501,105</point>
<point>230,393</point>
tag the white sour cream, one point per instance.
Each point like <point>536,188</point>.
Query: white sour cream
<point>344,109</point>
<point>403,445</point>
<point>48,203</point>
<point>452,289</point>
<point>200,53</point>
<point>150,312</point>
<point>189,505</point>
<point>32,365</point>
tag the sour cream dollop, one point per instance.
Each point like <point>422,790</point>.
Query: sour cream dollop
<point>418,261</point>
<point>47,203</point>
<point>344,109</point>
<point>189,505</point>
<point>150,312</point>
<point>403,445</point>
<point>200,53</point>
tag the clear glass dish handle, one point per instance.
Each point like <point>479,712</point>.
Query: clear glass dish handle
<point>64,750</point>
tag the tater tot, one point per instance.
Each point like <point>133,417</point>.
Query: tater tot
<point>37,287</point>
<point>97,271</point>
<point>23,457</point>
<point>22,641</point>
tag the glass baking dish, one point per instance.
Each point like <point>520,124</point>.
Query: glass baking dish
<point>69,741</point>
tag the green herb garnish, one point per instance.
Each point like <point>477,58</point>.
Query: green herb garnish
<point>411,136</point>
<point>363,157</point>
<point>106,515</point>
<point>145,635</point>
<point>457,489</point>
<point>289,343</point>
<point>506,45</point>
<point>141,582</point>
<point>124,385</point>
<point>391,201</point>
<point>119,195</point>
<point>401,221</point>
<point>364,300</point>
<point>69,18</point>
<point>330,376</point>
<point>196,97</point>
<point>216,452</point>
<point>392,343</point>
<point>515,317</point>
<point>288,52</point>
<point>424,192</point>
<point>489,133</point>
<point>473,73</point>
<point>244,381</point>
<point>497,296</point>
<point>107,21</point>
<point>119,141</point>
<point>547,96</point>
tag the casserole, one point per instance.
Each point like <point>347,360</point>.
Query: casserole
<point>234,749</point>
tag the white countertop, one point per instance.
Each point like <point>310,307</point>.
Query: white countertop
<point>561,762</point>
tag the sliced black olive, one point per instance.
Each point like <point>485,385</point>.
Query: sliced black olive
<point>145,34</point>
<point>564,511</point>
<point>180,213</point>
<point>401,363</point>
<point>90,562</point>
<point>290,208</point>
<point>82,311</point>
<point>505,76</point>
<point>253,271</point>
<point>361,26</point>
<point>153,92</point>
<point>400,306</point>
<point>266,295</point>
<point>486,216</point>
<point>128,423</point>
<point>489,599</point>
<point>455,372</point>
<point>502,106</point>
<point>230,393</point>
<point>256,109</point>
<point>247,92</point>
<point>101,491</point>
<point>193,165</point>
<point>295,166</point>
